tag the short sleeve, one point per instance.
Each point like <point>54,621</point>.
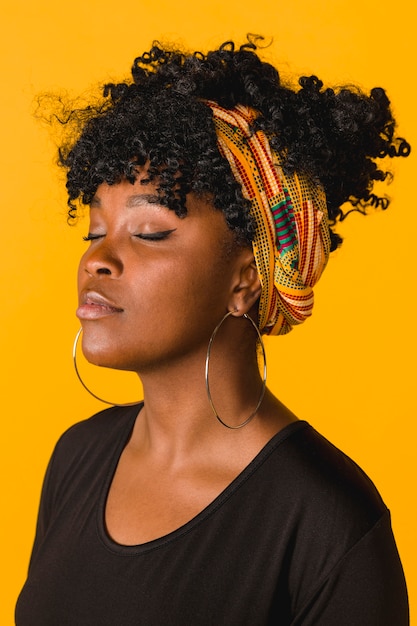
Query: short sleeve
<point>365,588</point>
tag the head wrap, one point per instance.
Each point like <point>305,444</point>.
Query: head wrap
<point>292,242</point>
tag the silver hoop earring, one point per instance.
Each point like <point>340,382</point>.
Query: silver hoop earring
<point>74,358</point>
<point>261,397</point>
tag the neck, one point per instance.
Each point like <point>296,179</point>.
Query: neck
<point>177,413</point>
<point>177,420</point>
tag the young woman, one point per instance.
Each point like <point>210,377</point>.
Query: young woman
<point>211,189</point>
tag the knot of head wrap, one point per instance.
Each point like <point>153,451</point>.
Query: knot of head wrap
<point>292,243</point>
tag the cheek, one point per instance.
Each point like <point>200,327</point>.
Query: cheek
<point>200,296</point>
<point>179,301</point>
<point>187,285</point>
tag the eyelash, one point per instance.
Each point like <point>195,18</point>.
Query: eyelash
<point>162,234</point>
<point>157,236</point>
<point>91,237</point>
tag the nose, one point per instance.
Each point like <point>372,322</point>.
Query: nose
<point>102,259</point>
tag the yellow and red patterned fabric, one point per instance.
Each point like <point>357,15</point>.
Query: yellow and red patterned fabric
<point>292,242</point>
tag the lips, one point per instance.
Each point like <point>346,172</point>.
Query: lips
<point>95,306</point>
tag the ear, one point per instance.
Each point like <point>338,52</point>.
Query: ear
<point>247,285</point>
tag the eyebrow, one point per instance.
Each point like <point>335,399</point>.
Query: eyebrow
<point>132,201</point>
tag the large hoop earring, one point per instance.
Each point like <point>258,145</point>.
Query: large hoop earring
<point>74,358</point>
<point>261,397</point>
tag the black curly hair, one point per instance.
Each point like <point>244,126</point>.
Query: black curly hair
<point>160,120</point>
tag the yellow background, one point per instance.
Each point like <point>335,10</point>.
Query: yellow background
<point>350,370</point>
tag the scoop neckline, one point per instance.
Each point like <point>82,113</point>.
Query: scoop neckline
<point>210,509</point>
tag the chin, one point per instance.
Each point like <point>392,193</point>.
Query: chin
<point>99,352</point>
<point>111,357</point>
<point>99,359</point>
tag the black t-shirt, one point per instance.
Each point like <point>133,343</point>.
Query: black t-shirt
<point>300,537</point>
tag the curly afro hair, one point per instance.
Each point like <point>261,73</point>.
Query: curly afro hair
<point>159,119</point>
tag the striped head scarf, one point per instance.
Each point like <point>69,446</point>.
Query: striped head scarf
<point>292,243</point>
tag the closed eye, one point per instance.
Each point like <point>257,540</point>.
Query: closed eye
<point>91,237</point>
<point>156,236</point>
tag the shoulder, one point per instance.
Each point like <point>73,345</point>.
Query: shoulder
<point>324,490</point>
<point>102,425</point>
<point>94,437</point>
<point>332,522</point>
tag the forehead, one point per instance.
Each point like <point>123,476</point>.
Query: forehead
<point>115,194</point>
<point>128,195</point>
<point>133,193</point>
<point>142,199</point>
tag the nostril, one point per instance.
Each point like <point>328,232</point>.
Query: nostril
<point>103,270</point>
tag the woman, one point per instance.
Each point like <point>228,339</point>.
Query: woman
<point>211,188</point>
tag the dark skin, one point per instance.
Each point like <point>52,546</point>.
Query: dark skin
<point>152,289</point>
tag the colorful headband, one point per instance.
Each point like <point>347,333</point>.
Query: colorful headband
<point>292,242</point>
